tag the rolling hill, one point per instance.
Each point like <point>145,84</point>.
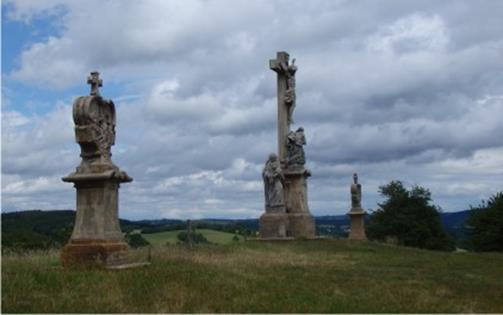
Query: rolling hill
<point>34,229</point>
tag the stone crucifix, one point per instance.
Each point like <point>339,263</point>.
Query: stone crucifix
<point>95,82</point>
<point>286,97</point>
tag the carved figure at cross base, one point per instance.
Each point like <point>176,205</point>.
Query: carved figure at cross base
<point>273,183</point>
<point>296,158</point>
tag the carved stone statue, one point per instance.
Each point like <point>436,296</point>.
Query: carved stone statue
<point>356,213</point>
<point>356,193</point>
<point>273,183</point>
<point>295,148</point>
<point>94,119</point>
<point>96,236</point>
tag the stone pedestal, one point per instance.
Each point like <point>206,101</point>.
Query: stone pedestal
<point>357,216</point>
<point>301,222</point>
<point>274,225</point>
<point>96,237</point>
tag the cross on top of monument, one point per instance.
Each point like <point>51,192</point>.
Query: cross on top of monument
<point>95,82</point>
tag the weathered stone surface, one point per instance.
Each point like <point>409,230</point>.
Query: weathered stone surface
<point>290,208</point>
<point>273,185</point>
<point>295,156</point>
<point>94,252</point>
<point>96,236</point>
<point>274,225</point>
<point>357,214</point>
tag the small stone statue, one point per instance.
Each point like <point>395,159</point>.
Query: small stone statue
<point>356,193</point>
<point>295,148</point>
<point>273,183</point>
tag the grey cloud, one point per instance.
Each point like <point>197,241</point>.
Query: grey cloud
<point>394,90</point>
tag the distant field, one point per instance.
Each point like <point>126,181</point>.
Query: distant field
<point>212,236</point>
<point>321,276</point>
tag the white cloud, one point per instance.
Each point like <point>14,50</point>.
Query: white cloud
<point>391,90</point>
<point>412,34</point>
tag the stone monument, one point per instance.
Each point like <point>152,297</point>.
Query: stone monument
<point>96,237</point>
<point>285,177</point>
<point>357,214</point>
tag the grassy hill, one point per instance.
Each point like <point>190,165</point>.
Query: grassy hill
<point>35,229</point>
<point>281,277</point>
<point>212,236</point>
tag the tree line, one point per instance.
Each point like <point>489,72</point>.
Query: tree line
<point>408,217</point>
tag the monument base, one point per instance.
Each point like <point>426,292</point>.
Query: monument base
<point>94,253</point>
<point>302,225</point>
<point>274,225</point>
<point>357,231</point>
<point>301,221</point>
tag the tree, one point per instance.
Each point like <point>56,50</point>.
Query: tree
<point>197,238</point>
<point>136,240</point>
<point>487,224</point>
<point>409,217</point>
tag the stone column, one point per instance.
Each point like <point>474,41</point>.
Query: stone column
<point>356,213</point>
<point>96,237</point>
<point>280,66</point>
<point>301,221</point>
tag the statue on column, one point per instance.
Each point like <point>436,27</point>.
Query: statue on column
<point>273,183</point>
<point>356,193</point>
<point>96,237</point>
<point>296,157</point>
<point>356,213</point>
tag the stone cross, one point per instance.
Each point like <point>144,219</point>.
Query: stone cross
<point>286,97</point>
<point>95,82</point>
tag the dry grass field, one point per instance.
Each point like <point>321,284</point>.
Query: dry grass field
<point>280,277</point>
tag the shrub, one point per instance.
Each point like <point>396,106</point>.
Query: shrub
<point>410,217</point>
<point>487,224</point>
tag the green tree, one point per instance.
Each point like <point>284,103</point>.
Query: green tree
<point>487,224</point>
<point>197,238</point>
<point>136,240</point>
<point>410,217</point>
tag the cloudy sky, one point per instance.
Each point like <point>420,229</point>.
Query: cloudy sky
<point>406,90</point>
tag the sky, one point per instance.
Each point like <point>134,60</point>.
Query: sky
<point>392,90</point>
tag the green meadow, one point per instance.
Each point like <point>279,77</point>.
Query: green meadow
<point>319,276</point>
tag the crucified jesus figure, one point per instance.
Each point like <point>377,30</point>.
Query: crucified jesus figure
<point>290,96</point>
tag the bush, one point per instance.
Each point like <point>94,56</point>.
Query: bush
<point>409,217</point>
<point>135,240</point>
<point>197,238</point>
<point>487,224</point>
